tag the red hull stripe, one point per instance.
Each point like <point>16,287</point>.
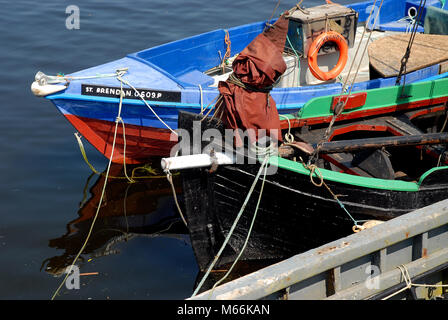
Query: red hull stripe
<point>141,142</point>
<point>295,123</point>
<point>145,142</point>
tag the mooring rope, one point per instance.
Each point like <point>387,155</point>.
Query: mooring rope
<point>133,174</point>
<point>169,177</point>
<point>407,279</point>
<point>243,207</point>
<point>344,86</point>
<point>441,130</point>
<point>44,79</point>
<point>267,24</point>
<point>312,168</point>
<point>146,103</point>
<point>405,58</point>
<point>340,109</point>
<point>100,201</point>
<point>217,105</point>
<point>248,233</point>
<point>288,136</point>
<point>124,147</point>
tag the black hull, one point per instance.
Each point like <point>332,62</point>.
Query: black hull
<point>294,215</point>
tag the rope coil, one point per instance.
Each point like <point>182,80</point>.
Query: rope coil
<point>407,279</point>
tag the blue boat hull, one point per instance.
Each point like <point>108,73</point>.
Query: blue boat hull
<point>172,78</point>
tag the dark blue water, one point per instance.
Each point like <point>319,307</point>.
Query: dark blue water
<point>139,248</point>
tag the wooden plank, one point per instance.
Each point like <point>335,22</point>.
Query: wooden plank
<point>385,54</point>
<point>395,141</point>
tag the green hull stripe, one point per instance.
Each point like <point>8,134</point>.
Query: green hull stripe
<point>427,173</point>
<point>344,178</point>
<point>378,98</point>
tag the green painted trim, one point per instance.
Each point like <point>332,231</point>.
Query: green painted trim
<point>365,182</point>
<point>378,98</point>
<point>427,173</point>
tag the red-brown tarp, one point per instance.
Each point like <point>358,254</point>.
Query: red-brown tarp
<point>258,66</point>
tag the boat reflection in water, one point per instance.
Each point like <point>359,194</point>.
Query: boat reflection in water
<point>128,210</point>
<point>142,209</point>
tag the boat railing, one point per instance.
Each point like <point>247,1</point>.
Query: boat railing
<point>375,263</point>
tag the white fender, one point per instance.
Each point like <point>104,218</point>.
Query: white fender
<point>195,161</point>
<point>44,90</point>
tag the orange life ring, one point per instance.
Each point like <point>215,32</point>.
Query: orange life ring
<point>314,49</point>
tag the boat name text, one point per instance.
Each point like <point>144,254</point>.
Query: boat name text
<point>114,92</point>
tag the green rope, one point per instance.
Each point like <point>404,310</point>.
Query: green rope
<point>295,52</point>
<point>315,171</point>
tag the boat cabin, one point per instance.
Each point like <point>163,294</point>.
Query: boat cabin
<point>201,59</point>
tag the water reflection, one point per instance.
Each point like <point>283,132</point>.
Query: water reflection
<point>129,210</point>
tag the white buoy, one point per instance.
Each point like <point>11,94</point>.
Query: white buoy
<point>195,161</point>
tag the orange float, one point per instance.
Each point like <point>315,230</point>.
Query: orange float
<point>314,49</point>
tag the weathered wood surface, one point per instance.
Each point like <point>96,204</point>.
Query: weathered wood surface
<point>386,53</point>
<point>395,141</point>
<point>406,240</point>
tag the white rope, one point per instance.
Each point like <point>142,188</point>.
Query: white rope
<point>409,284</point>
<point>146,103</point>
<point>288,136</point>
<point>344,89</point>
<point>250,228</point>
<point>44,79</point>
<point>169,177</point>
<point>124,149</point>
<point>365,48</point>
<point>243,207</point>
<point>101,198</point>
<point>410,20</point>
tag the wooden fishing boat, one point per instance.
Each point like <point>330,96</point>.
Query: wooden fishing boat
<point>183,75</point>
<point>385,156</point>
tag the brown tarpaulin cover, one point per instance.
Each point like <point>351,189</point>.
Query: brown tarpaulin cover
<point>258,66</point>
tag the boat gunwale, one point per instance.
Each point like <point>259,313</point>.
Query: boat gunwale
<point>345,178</point>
